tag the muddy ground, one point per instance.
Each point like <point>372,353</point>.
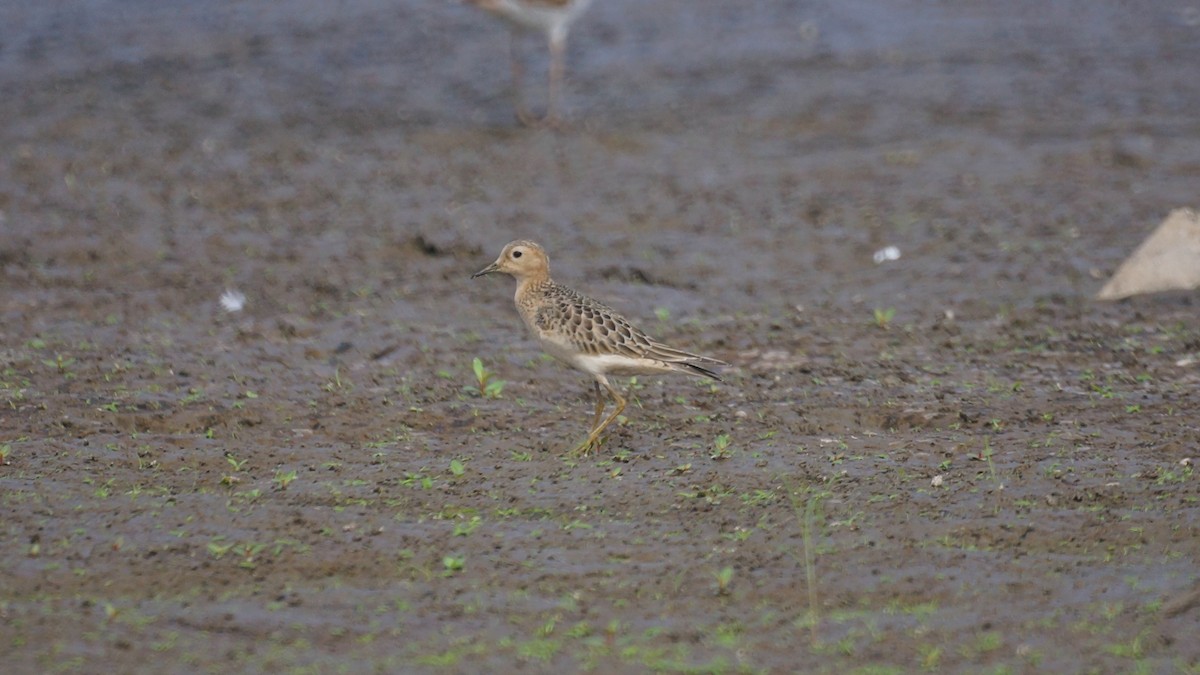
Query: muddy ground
<point>954,461</point>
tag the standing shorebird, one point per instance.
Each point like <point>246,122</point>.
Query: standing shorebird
<point>552,17</point>
<point>585,334</point>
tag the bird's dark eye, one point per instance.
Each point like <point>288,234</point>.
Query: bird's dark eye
<point>516,254</point>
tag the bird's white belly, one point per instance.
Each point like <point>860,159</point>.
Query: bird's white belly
<point>602,364</point>
<point>536,17</point>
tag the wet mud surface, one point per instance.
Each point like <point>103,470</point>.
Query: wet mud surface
<point>953,461</point>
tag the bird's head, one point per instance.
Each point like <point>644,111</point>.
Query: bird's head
<point>522,259</point>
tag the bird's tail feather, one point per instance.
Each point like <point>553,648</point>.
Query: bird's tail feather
<point>693,369</point>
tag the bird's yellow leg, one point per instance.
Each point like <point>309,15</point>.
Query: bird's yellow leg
<point>599,406</point>
<point>593,439</point>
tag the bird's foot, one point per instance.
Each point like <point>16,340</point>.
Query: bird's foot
<point>589,445</point>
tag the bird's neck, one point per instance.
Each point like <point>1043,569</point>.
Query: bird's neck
<point>533,282</point>
<point>531,285</point>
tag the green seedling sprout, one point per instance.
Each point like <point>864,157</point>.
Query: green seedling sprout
<point>453,563</point>
<point>721,447</point>
<point>60,364</point>
<point>486,386</point>
<point>284,478</point>
<point>724,577</point>
<point>883,317</point>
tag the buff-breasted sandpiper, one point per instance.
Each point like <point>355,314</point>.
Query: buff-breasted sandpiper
<point>586,334</point>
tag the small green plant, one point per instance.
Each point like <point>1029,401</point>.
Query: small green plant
<point>232,479</point>
<point>218,549</point>
<point>986,455</point>
<point>465,528</point>
<point>486,386</point>
<point>417,480</point>
<point>5,451</point>
<point>457,468</point>
<point>1134,649</point>
<point>62,365</point>
<point>336,383</point>
<point>248,552</point>
<point>739,534</point>
<point>103,491</point>
<point>759,497</point>
<point>883,317</point>
<point>931,656</point>
<point>453,563</point>
<point>988,642</point>
<point>284,478</point>
<point>721,448</point>
<point>724,577</point>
